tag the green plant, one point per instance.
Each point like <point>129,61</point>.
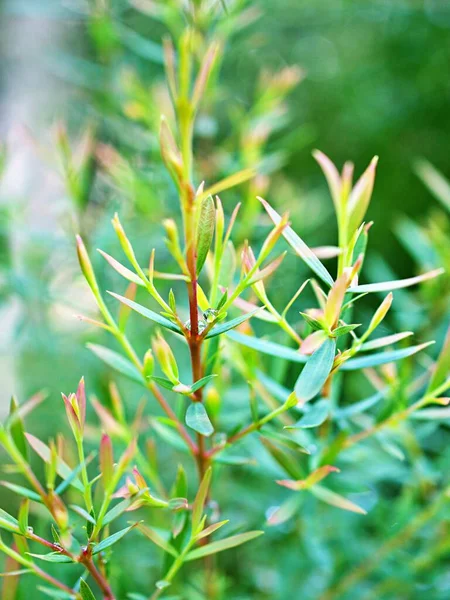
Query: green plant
<point>306,428</point>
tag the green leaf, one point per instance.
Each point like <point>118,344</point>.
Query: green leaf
<point>23,515</point>
<point>223,327</point>
<point>51,593</point>
<point>266,347</point>
<point>73,475</point>
<point>147,313</point>
<point>361,406</point>
<point>83,513</point>
<point>202,382</point>
<point>200,499</point>
<point>314,417</point>
<point>442,367</point>
<point>8,522</point>
<point>17,430</point>
<point>335,499</point>
<point>227,183</point>
<point>305,253</point>
<point>126,273</point>
<point>431,414</point>
<point>205,232</point>
<point>387,286</point>
<point>85,591</point>
<point>221,545</point>
<point>344,329</point>
<point>140,45</point>
<point>436,183</point>
<point>163,382</point>
<point>112,539</point>
<point>21,491</point>
<point>121,507</point>
<point>53,557</point>
<point>384,341</point>
<point>198,420</point>
<point>158,540</point>
<point>169,435</point>
<point>116,362</point>
<point>316,371</point>
<point>381,358</point>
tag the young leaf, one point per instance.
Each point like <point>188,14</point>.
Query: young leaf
<point>223,327</point>
<point>384,341</point>
<point>442,367</point>
<point>221,545</point>
<point>126,273</point>
<point>266,347</point>
<point>312,479</point>
<point>16,429</point>
<point>85,591</point>
<point>305,253</point>
<point>387,286</point>
<point>116,362</point>
<point>8,522</point>
<point>23,515</point>
<point>211,529</point>
<point>227,183</point>
<point>53,557</point>
<point>147,313</point>
<point>200,499</point>
<point>198,420</point>
<point>201,382</point>
<point>316,371</point>
<point>21,491</point>
<point>205,231</point>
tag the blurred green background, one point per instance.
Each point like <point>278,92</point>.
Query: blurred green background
<point>375,81</point>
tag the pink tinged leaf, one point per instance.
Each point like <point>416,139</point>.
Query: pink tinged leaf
<point>81,399</point>
<point>109,423</point>
<point>332,176</point>
<point>313,341</point>
<point>124,271</point>
<point>106,460</point>
<point>249,307</point>
<point>72,415</point>
<point>336,500</point>
<point>334,301</point>
<point>311,480</point>
<point>360,196</point>
<point>385,341</point>
<point>269,270</point>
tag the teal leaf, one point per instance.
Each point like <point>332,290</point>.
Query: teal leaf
<point>53,557</point>
<point>116,362</point>
<point>21,491</point>
<point>361,406</point>
<point>295,241</point>
<point>72,476</point>
<point>316,371</point>
<point>198,420</point>
<point>266,347</point>
<point>384,341</point>
<point>112,539</point>
<point>147,313</point>
<point>334,499</point>
<point>315,416</point>
<point>381,358</point>
<point>163,382</point>
<point>202,382</point>
<point>223,327</point>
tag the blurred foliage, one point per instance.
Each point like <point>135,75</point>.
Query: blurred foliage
<point>369,78</point>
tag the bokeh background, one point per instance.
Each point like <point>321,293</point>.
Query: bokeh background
<point>365,77</point>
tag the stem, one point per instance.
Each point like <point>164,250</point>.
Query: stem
<point>99,579</point>
<point>84,475</point>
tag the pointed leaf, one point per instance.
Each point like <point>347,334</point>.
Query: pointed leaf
<point>305,253</point>
<point>21,491</point>
<point>335,499</point>
<point>112,539</point>
<point>384,341</point>
<point>147,313</point>
<point>221,545</point>
<point>266,347</point>
<point>442,367</point>
<point>314,417</point>
<point>154,536</point>
<point>53,557</point>
<point>223,327</point>
<point>85,591</point>
<point>116,362</point>
<point>205,231</point>
<point>126,273</point>
<point>316,371</point>
<point>200,499</point>
<point>396,284</point>
<point>381,358</point>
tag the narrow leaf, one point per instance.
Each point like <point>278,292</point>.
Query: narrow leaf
<point>200,499</point>
<point>382,358</point>
<point>205,231</point>
<point>221,545</point>
<point>53,557</point>
<point>116,362</point>
<point>85,591</point>
<point>336,500</point>
<point>112,539</point>
<point>147,313</point>
<point>396,284</point>
<point>384,341</point>
<point>314,417</point>
<point>152,535</point>
<point>62,468</point>
<point>223,327</point>
<point>126,273</point>
<point>305,253</point>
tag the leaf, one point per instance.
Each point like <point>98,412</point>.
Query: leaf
<point>211,529</point>
<point>126,273</point>
<point>314,417</point>
<point>163,382</point>
<point>396,284</point>
<point>53,557</point>
<point>221,545</point>
<point>8,522</point>
<point>23,515</point>
<point>198,420</point>
<point>205,231</point>
<point>305,253</point>
<point>227,183</point>
<point>223,327</point>
<point>381,358</point>
<point>316,371</point>
<point>152,535</point>
<point>202,382</point>
<point>200,499</point>
<point>73,475</point>
<point>16,429</point>
<point>266,347</point>
<point>112,539</point>
<point>116,362</point>
<point>52,593</point>
<point>436,183</point>
<point>147,313</point>
<point>280,514</point>
<point>85,591</point>
<point>361,406</point>
<point>21,491</point>
<point>442,367</point>
<point>83,513</point>
<point>62,468</point>
<point>429,414</point>
<point>335,499</point>
<point>384,341</point>
<point>312,479</point>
